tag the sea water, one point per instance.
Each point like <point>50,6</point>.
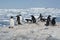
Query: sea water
<point>58,19</point>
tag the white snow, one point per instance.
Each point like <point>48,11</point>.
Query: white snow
<point>30,32</point>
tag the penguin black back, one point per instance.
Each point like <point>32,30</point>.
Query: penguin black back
<point>33,19</point>
<point>53,22</point>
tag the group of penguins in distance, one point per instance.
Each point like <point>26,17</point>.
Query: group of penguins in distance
<point>48,20</point>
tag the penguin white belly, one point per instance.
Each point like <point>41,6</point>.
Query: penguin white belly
<point>21,19</point>
<point>11,22</point>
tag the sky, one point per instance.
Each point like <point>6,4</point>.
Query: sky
<point>29,4</point>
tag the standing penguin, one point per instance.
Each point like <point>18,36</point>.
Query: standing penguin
<point>47,23</point>
<point>48,20</point>
<point>53,22</point>
<point>18,19</point>
<point>11,22</point>
<point>40,17</point>
<point>33,19</point>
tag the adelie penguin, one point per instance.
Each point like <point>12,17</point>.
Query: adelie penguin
<point>47,23</point>
<point>11,22</point>
<point>53,22</point>
<point>40,17</point>
<point>33,19</point>
<point>18,19</point>
<point>48,20</point>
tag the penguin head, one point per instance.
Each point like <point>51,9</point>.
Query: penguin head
<point>11,17</point>
<point>49,15</point>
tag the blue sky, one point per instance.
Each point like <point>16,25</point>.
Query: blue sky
<point>29,3</point>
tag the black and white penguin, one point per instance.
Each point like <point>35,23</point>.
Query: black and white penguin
<point>47,23</point>
<point>49,17</point>
<point>40,16</point>
<point>33,19</point>
<point>11,22</point>
<point>53,22</point>
<point>48,20</point>
<point>18,19</point>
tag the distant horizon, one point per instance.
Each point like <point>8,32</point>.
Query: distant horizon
<point>28,8</point>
